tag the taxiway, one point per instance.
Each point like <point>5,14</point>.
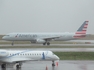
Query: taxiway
<point>65,65</point>
<point>49,45</point>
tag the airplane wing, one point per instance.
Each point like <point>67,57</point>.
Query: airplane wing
<point>50,38</point>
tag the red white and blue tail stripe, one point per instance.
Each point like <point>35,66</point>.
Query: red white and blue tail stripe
<point>81,32</point>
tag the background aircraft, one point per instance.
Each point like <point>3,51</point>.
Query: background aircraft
<point>45,38</point>
<point>19,56</point>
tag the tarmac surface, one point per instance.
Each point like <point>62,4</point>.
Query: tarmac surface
<point>62,65</point>
<point>49,45</point>
<point>56,49</point>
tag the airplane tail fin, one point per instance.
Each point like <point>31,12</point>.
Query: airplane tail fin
<point>81,32</point>
<point>83,28</point>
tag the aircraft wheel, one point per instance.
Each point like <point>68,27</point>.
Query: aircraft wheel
<point>44,43</point>
<point>48,43</point>
<point>53,64</point>
<point>18,66</point>
<point>12,43</point>
<point>3,66</point>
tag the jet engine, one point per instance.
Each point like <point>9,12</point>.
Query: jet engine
<point>40,41</point>
<point>3,53</point>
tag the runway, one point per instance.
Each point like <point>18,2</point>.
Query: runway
<point>56,49</point>
<point>65,65</point>
<point>66,49</point>
<point>49,45</point>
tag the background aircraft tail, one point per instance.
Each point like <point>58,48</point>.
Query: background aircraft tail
<point>81,32</point>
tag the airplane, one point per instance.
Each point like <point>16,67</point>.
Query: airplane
<point>45,38</point>
<point>17,57</point>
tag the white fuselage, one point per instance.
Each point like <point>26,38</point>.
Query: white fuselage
<point>46,37</point>
<point>34,36</point>
<point>12,56</point>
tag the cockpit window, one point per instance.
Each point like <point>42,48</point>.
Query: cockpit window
<point>53,54</point>
<point>7,35</point>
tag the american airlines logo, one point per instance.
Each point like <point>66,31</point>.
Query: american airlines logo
<point>26,35</point>
<point>16,35</point>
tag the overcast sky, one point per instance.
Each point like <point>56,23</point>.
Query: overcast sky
<point>45,15</point>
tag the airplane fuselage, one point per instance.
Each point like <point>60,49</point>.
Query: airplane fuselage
<point>34,36</point>
<point>44,38</point>
<point>17,57</point>
<point>12,56</point>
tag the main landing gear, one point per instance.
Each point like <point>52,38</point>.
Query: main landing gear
<point>3,66</point>
<point>18,65</point>
<point>46,43</point>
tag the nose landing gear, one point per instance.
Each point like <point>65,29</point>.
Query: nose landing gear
<point>53,64</point>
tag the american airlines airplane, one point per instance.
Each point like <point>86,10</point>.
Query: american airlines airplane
<point>17,57</point>
<point>45,38</point>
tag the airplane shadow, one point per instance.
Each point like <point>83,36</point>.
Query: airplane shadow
<point>18,69</point>
<point>3,69</point>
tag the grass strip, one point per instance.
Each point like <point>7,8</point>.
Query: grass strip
<point>75,55</point>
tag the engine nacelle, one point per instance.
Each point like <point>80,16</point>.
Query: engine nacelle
<point>40,41</point>
<point>3,53</point>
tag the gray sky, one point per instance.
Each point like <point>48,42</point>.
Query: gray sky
<point>45,15</point>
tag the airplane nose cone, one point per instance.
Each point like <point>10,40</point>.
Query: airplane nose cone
<point>57,58</point>
<point>3,38</point>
